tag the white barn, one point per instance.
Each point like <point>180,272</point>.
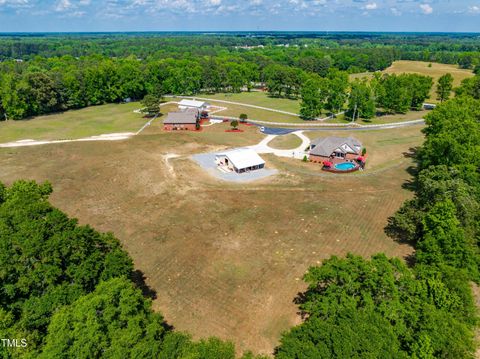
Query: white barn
<point>199,105</point>
<point>240,160</point>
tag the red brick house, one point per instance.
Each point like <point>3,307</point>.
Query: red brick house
<point>188,120</point>
<point>336,149</point>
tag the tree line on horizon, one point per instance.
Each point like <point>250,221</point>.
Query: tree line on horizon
<point>45,86</point>
<point>46,74</point>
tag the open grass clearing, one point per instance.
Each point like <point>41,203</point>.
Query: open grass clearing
<point>258,98</point>
<point>73,124</point>
<point>436,70</point>
<point>383,118</point>
<point>225,259</point>
<point>255,113</point>
<point>285,142</point>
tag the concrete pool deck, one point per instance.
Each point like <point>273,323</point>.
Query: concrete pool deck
<point>207,162</point>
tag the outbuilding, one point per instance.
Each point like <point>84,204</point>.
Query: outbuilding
<point>201,106</point>
<point>240,160</point>
<point>182,120</point>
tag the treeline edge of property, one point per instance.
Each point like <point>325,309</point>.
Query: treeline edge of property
<point>61,73</point>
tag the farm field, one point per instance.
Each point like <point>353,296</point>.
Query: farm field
<point>224,259</point>
<point>73,124</point>
<point>422,68</point>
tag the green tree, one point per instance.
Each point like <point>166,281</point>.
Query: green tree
<point>452,134</point>
<point>234,124</point>
<point>348,334</point>
<point>47,259</point>
<point>337,91</point>
<point>243,117</point>
<point>444,240</point>
<point>381,308</point>
<point>2,111</point>
<point>151,105</point>
<point>444,87</point>
<point>114,321</point>
<point>394,96</point>
<point>419,88</point>
<point>361,103</point>
<point>314,94</point>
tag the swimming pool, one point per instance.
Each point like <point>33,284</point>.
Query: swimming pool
<point>345,166</point>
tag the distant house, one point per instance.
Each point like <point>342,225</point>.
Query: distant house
<point>201,106</point>
<point>329,148</point>
<point>240,160</point>
<point>182,120</point>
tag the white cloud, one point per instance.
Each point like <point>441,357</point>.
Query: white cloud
<point>395,11</point>
<point>426,9</point>
<point>371,6</point>
<point>474,9</point>
<point>15,3</point>
<point>63,5</point>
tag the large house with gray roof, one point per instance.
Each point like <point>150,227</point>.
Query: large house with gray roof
<point>335,148</point>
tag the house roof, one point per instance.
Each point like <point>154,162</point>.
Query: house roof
<point>243,158</point>
<point>327,145</point>
<point>192,103</point>
<point>182,117</point>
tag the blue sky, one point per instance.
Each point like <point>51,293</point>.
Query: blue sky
<point>190,15</point>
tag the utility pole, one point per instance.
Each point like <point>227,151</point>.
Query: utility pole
<point>354,112</point>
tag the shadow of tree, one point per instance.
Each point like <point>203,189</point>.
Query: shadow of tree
<point>403,225</point>
<point>138,277</point>
<point>411,184</point>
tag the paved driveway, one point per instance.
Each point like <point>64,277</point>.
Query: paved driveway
<point>207,162</point>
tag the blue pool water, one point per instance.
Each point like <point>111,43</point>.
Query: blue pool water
<point>345,166</point>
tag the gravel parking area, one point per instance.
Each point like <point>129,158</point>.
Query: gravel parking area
<point>207,162</point>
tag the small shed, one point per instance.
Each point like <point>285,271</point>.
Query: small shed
<point>240,161</point>
<point>201,106</point>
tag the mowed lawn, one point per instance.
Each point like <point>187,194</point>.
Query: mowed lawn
<point>383,119</point>
<point>285,142</point>
<point>73,124</point>
<point>436,70</point>
<point>258,98</point>
<point>255,113</point>
<point>224,259</point>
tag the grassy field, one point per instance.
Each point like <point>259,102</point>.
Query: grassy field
<point>224,259</point>
<point>383,119</point>
<point>285,142</point>
<point>422,68</point>
<point>259,99</point>
<point>90,121</point>
<point>254,113</point>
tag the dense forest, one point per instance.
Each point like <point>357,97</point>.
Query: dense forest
<point>44,74</point>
